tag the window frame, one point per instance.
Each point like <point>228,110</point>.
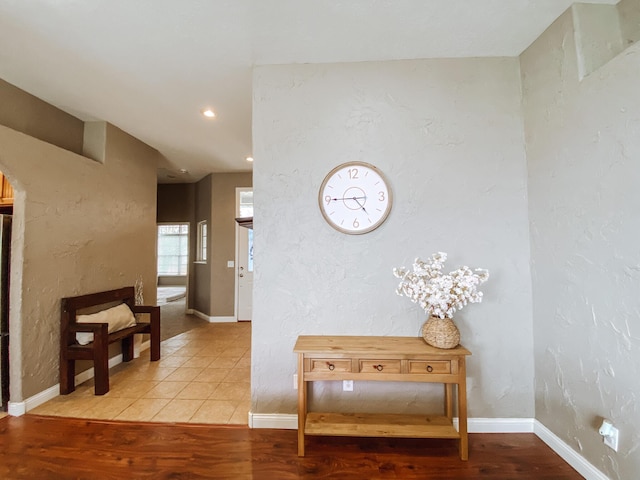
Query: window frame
<point>201,242</point>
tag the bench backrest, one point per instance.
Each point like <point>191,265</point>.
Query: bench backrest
<point>71,305</point>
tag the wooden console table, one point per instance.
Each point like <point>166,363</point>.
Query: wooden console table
<point>387,359</point>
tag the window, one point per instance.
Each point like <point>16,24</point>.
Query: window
<point>244,208</point>
<point>202,241</point>
<point>173,249</point>
<point>245,205</point>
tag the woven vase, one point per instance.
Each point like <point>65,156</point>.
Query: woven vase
<point>441,332</point>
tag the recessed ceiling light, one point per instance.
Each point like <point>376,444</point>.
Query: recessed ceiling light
<point>184,170</point>
<point>207,112</point>
<point>249,159</point>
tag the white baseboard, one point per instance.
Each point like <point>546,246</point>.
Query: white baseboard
<point>568,454</point>
<point>17,409</point>
<point>498,425</point>
<point>222,319</point>
<point>211,319</point>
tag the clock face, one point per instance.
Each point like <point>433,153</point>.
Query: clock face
<point>355,198</point>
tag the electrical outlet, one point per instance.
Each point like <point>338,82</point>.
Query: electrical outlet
<point>347,385</point>
<point>611,440</point>
<point>295,381</point>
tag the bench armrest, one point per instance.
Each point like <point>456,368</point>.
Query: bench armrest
<point>154,312</point>
<point>145,309</point>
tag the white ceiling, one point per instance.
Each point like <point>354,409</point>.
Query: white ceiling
<point>150,66</point>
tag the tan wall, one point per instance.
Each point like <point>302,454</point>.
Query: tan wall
<point>26,113</point>
<point>176,202</point>
<point>202,271</point>
<point>79,227</point>
<point>223,240</point>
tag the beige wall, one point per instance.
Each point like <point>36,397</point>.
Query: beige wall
<point>79,227</point>
<point>223,240</point>
<point>202,270</point>
<point>176,202</point>
<point>26,113</point>
<point>583,155</point>
<point>629,11</point>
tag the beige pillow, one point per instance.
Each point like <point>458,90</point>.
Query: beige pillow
<point>118,317</point>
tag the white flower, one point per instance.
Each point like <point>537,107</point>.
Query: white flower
<point>437,294</point>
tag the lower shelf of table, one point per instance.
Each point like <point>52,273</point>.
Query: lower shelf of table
<point>379,425</point>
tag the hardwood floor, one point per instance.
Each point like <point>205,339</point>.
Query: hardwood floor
<point>37,447</point>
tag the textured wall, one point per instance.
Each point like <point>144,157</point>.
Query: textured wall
<point>583,149</point>
<point>448,135</point>
<point>79,227</point>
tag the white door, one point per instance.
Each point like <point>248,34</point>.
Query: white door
<point>244,256</point>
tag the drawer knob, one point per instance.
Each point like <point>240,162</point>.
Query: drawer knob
<point>379,367</point>
<point>429,368</point>
<point>331,366</point>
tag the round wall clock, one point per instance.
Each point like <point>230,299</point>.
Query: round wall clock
<point>355,198</point>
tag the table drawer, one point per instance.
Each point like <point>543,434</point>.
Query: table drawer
<point>426,366</point>
<point>380,366</point>
<point>330,365</point>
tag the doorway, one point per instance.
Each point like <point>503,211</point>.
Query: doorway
<point>172,282</point>
<point>244,256</point>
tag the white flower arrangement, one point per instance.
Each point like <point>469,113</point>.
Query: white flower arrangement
<point>437,294</point>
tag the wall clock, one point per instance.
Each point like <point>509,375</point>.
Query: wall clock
<point>355,198</point>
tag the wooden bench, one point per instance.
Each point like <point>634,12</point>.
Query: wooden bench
<point>98,350</point>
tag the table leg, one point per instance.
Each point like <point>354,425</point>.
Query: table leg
<point>448,400</point>
<point>462,411</point>
<point>302,404</point>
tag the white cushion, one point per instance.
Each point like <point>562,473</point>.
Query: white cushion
<point>118,317</point>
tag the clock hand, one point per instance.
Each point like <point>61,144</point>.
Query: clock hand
<point>349,198</point>
<point>361,205</point>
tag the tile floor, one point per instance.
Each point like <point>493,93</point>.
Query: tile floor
<point>203,376</point>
